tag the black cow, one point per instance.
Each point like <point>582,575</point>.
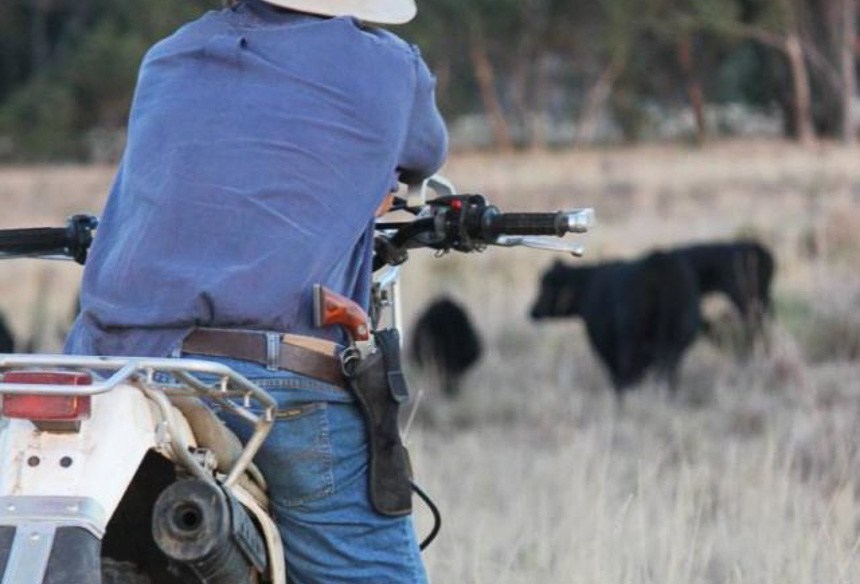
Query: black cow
<point>445,343</point>
<point>742,270</point>
<point>7,340</point>
<point>639,314</point>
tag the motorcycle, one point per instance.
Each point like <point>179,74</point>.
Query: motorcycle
<point>117,470</point>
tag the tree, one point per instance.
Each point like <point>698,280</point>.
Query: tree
<point>619,39</point>
<point>481,30</point>
<point>848,62</point>
<point>83,64</point>
<point>778,28</point>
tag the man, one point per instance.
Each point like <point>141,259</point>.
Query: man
<point>262,140</point>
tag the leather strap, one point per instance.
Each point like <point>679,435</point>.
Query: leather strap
<point>303,355</point>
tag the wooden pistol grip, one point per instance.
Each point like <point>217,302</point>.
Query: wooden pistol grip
<point>333,308</point>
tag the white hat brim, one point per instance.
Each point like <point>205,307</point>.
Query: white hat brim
<point>379,11</point>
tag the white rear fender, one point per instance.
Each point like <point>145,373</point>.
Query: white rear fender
<point>95,464</point>
<point>58,491</point>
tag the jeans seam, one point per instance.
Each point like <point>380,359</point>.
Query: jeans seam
<point>407,531</point>
<point>309,385</point>
<point>327,488</point>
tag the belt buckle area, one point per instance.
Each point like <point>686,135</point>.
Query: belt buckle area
<point>350,358</point>
<point>273,351</point>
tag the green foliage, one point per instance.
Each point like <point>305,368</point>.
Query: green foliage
<point>447,30</point>
<point>94,54</point>
<point>101,72</point>
<point>622,30</point>
<point>629,113</point>
<point>715,14</point>
<point>69,67</point>
<point>39,122</point>
<point>738,79</point>
<point>14,45</point>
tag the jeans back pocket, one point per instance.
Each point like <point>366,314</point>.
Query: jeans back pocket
<point>296,457</point>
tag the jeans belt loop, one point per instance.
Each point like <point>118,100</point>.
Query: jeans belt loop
<point>273,351</point>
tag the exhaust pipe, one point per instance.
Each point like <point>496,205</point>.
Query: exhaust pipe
<point>199,525</point>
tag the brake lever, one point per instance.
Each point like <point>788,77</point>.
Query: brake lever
<point>538,242</point>
<point>434,186</point>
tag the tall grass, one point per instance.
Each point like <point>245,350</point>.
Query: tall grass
<point>542,481</point>
<point>751,474</point>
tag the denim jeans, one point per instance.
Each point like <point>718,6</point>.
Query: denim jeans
<point>315,461</point>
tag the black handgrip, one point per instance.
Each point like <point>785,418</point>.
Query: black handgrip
<point>73,240</point>
<point>33,240</point>
<point>496,224</point>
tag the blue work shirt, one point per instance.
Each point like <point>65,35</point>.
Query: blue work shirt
<point>260,143</point>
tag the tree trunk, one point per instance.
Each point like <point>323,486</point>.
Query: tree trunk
<point>849,71</point>
<point>530,72</point>
<point>538,116</point>
<point>443,82</point>
<point>801,91</point>
<point>38,34</point>
<point>486,83</point>
<point>595,100</point>
<point>520,95</point>
<point>694,86</point>
<point>791,45</point>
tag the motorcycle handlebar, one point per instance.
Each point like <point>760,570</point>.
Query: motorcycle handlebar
<point>459,222</point>
<point>468,223</point>
<point>558,224</point>
<point>72,241</point>
<point>33,240</point>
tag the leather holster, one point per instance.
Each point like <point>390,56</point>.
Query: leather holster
<point>380,387</point>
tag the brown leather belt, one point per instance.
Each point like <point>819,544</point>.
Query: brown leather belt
<point>300,354</point>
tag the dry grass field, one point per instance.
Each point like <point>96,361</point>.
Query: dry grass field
<point>750,475</point>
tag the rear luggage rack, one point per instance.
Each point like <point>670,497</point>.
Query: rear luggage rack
<point>230,390</point>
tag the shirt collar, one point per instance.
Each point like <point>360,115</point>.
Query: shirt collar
<point>271,13</point>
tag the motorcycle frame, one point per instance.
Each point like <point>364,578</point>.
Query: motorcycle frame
<point>134,409</point>
<point>131,387</point>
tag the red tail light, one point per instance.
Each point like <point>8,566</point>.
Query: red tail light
<point>47,408</point>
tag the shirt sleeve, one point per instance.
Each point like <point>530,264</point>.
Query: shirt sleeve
<point>426,144</point>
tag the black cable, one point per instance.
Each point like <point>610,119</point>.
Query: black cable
<point>437,517</point>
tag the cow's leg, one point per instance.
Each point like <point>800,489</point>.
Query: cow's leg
<point>667,372</point>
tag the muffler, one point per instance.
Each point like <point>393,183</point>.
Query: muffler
<point>200,526</point>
